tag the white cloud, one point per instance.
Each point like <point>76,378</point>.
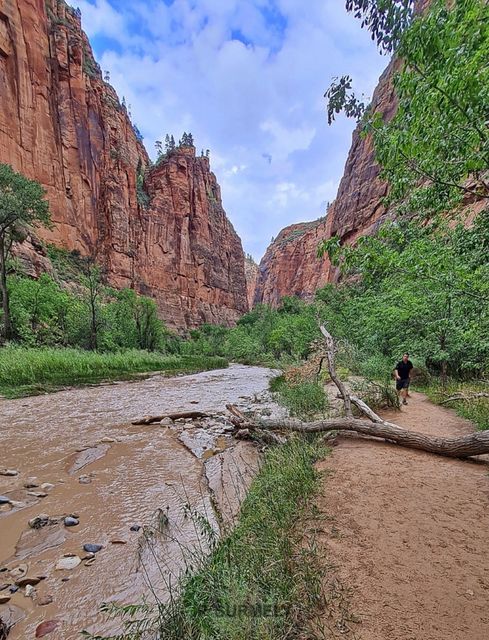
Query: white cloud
<point>247,78</point>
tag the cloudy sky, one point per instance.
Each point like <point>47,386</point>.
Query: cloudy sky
<point>247,78</point>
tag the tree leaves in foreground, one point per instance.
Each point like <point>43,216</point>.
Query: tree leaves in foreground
<point>435,150</point>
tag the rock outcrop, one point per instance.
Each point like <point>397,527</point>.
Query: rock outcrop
<point>63,125</point>
<point>290,265</point>
<point>251,273</point>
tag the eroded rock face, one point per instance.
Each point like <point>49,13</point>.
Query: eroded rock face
<point>62,125</point>
<point>190,257</point>
<point>290,265</point>
<point>251,272</point>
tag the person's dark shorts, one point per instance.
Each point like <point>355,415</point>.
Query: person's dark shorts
<point>402,384</point>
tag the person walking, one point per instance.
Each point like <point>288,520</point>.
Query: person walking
<point>403,377</point>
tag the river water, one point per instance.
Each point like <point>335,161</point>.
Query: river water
<point>112,476</point>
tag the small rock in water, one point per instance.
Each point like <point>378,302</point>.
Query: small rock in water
<point>31,483</point>
<point>69,562</point>
<point>39,521</point>
<point>16,504</point>
<point>85,479</point>
<point>136,527</point>
<point>4,599</point>
<point>71,522</point>
<point>29,591</point>
<point>19,572</point>
<point>9,472</point>
<point>13,589</point>
<point>47,486</point>
<point>243,434</point>
<point>45,600</point>
<point>28,581</point>
<point>37,494</point>
<point>46,627</point>
<point>92,548</point>
<point>4,500</point>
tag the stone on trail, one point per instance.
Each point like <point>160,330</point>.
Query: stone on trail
<point>47,486</point>
<point>4,500</point>
<point>9,472</point>
<point>136,527</point>
<point>166,422</point>
<point>37,494</point>
<point>4,599</point>
<point>44,600</point>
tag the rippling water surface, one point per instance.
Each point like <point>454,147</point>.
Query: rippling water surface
<point>130,472</point>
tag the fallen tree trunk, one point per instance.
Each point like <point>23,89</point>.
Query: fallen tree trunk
<point>473,444</point>
<point>173,416</point>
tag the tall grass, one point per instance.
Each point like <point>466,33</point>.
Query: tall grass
<point>26,371</point>
<point>476,410</point>
<point>303,399</point>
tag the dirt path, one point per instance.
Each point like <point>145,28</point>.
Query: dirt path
<point>407,535</point>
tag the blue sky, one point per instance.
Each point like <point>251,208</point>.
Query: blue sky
<point>247,78</point>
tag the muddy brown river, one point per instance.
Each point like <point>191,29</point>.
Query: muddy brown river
<point>77,454</point>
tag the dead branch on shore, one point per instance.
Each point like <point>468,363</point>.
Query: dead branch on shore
<point>473,444</point>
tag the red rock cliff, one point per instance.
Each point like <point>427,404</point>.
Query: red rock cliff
<point>61,124</point>
<point>290,265</point>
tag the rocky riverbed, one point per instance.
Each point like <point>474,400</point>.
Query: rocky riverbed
<point>94,509</point>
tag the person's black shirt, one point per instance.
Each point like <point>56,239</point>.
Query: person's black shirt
<point>403,369</point>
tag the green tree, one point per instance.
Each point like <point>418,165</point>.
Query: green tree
<point>22,206</point>
<point>91,279</point>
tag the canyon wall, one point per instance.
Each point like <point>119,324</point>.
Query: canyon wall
<point>290,265</point>
<point>159,230</point>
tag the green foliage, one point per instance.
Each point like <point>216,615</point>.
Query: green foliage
<point>385,19</point>
<point>27,371</point>
<point>22,206</point>
<point>435,149</point>
<point>474,409</point>
<point>304,399</point>
<point>419,289</point>
<point>438,137</point>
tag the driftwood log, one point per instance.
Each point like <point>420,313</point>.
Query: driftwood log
<point>194,415</point>
<point>473,444</point>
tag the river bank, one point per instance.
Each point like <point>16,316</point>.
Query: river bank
<point>113,476</point>
<point>31,371</point>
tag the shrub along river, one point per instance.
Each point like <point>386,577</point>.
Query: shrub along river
<point>129,489</point>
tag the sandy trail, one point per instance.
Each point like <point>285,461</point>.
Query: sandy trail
<point>407,535</point>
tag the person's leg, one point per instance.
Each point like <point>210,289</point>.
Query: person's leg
<point>404,392</point>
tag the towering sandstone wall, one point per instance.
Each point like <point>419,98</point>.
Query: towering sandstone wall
<point>61,124</point>
<point>290,265</point>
